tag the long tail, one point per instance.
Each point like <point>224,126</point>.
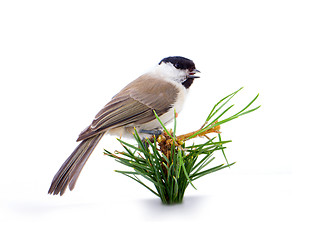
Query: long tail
<point>71,168</point>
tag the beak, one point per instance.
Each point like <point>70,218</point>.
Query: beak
<point>191,74</point>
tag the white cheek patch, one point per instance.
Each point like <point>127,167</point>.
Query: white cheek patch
<point>169,73</point>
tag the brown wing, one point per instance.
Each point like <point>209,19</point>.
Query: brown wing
<point>133,105</point>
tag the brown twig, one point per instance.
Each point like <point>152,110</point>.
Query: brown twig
<point>184,137</point>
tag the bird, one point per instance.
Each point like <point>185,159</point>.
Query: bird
<point>163,89</point>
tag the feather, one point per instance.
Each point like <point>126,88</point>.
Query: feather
<point>70,170</point>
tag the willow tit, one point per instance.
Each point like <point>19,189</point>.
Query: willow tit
<point>162,89</point>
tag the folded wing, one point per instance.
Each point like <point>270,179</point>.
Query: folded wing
<point>133,105</point>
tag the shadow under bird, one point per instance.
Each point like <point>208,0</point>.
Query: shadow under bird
<point>162,89</point>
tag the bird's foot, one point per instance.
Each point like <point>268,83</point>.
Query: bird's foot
<point>155,132</point>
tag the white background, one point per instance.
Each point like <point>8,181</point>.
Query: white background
<point>61,61</point>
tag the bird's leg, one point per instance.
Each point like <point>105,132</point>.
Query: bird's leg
<point>145,143</point>
<point>155,132</point>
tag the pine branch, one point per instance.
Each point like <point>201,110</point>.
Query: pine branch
<point>168,164</point>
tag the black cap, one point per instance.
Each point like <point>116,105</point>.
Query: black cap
<point>179,62</point>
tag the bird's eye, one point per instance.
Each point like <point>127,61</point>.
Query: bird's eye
<point>176,65</point>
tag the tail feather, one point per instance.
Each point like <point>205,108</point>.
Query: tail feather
<point>69,172</point>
